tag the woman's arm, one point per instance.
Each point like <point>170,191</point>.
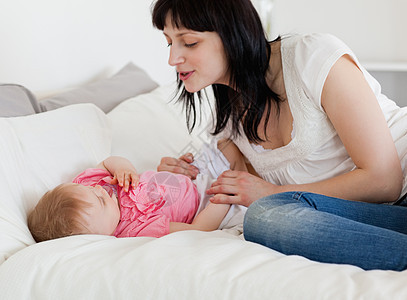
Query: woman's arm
<point>358,119</point>
<point>356,115</point>
<point>233,155</point>
<point>123,172</point>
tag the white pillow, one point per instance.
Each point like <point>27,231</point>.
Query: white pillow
<point>153,125</point>
<point>41,151</point>
<point>37,153</point>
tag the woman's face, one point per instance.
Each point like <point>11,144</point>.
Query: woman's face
<point>199,57</point>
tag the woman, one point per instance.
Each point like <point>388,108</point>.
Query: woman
<point>320,137</point>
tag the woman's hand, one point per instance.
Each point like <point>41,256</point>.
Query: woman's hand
<point>180,165</point>
<point>239,187</point>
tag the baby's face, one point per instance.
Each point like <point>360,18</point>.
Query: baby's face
<point>104,214</point>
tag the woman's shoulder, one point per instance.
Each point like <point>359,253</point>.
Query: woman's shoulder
<point>309,57</point>
<point>311,41</point>
<point>310,52</point>
<point>313,47</point>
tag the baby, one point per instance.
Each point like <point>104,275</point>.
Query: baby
<point>112,199</point>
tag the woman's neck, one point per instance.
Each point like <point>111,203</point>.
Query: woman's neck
<point>274,75</point>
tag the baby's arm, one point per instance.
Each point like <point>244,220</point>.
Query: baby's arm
<point>123,172</point>
<point>207,220</point>
<point>211,217</point>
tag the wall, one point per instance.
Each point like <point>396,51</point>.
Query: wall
<point>48,44</point>
<point>373,29</point>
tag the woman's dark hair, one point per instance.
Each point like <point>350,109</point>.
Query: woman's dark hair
<point>247,51</point>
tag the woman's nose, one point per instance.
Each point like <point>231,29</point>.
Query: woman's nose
<point>176,57</point>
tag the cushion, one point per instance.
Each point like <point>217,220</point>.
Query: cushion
<point>37,153</point>
<point>153,125</point>
<point>43,150</point>
<point>130,81</point>
<point>17,100</point>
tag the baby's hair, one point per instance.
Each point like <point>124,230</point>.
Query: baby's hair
<point>57,214</point>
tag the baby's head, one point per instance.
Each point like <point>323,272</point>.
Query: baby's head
<point>71,209</point>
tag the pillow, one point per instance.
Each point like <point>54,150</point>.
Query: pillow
<point>106,93</point>
<point>39,152</point>
<point>17,100</point>
<point>151,126</point>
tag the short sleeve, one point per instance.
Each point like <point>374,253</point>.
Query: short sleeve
<point>92,177</point>
<point>156,226</point>
<point>152,226</point>
<point>315,54</point>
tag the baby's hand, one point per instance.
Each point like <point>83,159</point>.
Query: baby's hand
<point>126,179</point>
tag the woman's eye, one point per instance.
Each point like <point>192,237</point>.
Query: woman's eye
<point>169,44</point>
<point>190,45</point>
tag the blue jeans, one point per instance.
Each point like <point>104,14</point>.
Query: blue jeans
<point>331,230</point>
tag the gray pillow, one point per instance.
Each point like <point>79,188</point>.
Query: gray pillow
<point>106,93</point>
<point>16,100</point>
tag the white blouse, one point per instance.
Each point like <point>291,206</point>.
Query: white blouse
<point>316,152</point>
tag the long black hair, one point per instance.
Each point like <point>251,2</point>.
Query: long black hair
<point>247,53</point>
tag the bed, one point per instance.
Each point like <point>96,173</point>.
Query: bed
<point>53,140</point>
<point>48,138</point>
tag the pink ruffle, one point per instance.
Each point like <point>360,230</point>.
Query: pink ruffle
<point>152,205</point>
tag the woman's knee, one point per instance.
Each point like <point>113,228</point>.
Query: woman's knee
<point>271,202</point>
<point>265,215</point>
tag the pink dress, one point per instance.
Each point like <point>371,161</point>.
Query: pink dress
<point>147,210</point>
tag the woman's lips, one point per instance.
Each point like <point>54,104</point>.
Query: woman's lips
<point>185,75</point>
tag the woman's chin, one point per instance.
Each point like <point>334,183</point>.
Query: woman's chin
<point>193,89</point>
<point>190,89</point>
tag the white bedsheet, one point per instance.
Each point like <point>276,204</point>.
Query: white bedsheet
<point>183,265</point>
